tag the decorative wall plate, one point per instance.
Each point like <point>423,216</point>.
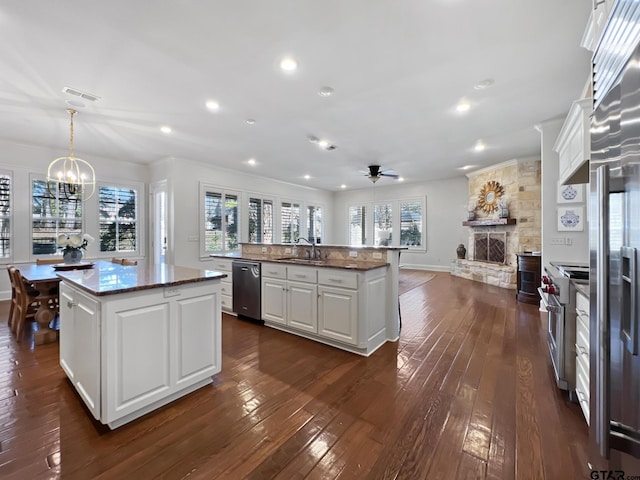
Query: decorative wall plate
<point>489,195</point>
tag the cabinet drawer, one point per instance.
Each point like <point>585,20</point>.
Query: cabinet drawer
<point>337,278</point>
<point>226,288</point>
<point>302,274</point>
<point>226,302</point>
<point>221,264</point>
<point>274,270</point>
<point>582,305</point>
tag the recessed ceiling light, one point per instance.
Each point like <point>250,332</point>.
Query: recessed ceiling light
<point>213,105</point>
<point>343,186</point>
<point>482,84</point>
<point>307,177</point>
<point>288,64</point>
<point>250,121</point>
<point>325,91</point>
<point>463,106</point>
<point>165,129</point>
<point>251,161</point>
<point>323,143</point>
<point>466,167</point>
<point>479,146</point>
<point>401,179</point>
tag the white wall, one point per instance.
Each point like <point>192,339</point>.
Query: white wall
<point>183,180</point>
<point>446,202</point>
<point>23,161</point>
<point>576,246</point>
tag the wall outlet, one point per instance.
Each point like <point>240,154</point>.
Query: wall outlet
<point>264,249</point>
<point>287,250</point>
<point>192,238</point>
<point>377,255</point>
<point>568,241</point>
<point>557,241</point>
<point>353,253</point>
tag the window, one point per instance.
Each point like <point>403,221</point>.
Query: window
<point>52,216</point>
<point>118,219</point>
<point>314,224</point>
<point>260,220</point>
<point>290,222</point>
<point>220,220</point>
<point>382,224</point>
<point>411,223</point>
<point>357,225</point>
<point>5,216</point>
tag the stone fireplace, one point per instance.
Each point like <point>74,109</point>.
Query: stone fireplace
<point>493,242</point>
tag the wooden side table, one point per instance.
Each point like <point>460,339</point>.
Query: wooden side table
<point>528,278</point>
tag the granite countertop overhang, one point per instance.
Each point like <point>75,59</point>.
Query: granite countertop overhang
<point>106,278</point>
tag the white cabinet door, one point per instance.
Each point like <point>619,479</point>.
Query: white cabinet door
<point>198,333</point>
<point>80,345</point>
<point>274,300</point>
<point>302,306</point>
<point>338,314</point>
<point>138,358</point>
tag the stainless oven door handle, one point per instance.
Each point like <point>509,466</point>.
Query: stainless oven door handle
<point>548,305</point>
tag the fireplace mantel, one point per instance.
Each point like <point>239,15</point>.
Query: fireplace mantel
<point>484,222</point>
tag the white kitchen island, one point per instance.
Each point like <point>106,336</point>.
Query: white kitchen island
<point>134,338</point>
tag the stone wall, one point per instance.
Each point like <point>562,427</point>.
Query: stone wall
<point>521,182</point>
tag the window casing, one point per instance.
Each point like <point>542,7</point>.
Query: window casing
<point>260,220</point>
<point>357,225</point>
<point>219,221</point>
<point>411,230</point>
<point>314,223</point>
<point>289,222</point>
<point>5,215</point>
<point>392,222</point>
<point>118,216</point>
<point>52,216</point>
<point>383,224</point>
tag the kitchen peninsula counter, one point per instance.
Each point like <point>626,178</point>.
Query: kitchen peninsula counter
<point>134,338</point>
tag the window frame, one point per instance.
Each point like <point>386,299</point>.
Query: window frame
<point>138,251</point>
<point>301,212</point>
<point>263,199</point>
<point>10,217</point>
<point>82,219</point>
<point>396,221</point>
<point>317,207</point>
<point>205,189</point>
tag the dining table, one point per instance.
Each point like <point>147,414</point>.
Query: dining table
<point>44,279</point>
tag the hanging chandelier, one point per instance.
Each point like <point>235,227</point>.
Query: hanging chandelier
<point>71,176</point>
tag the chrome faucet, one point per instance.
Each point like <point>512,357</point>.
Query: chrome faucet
<point>314,253</point>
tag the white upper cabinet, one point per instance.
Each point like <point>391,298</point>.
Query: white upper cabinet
<point>574,144</point>
<point>595,24</point>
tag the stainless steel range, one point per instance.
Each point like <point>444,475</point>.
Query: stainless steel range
<point>558,295</point>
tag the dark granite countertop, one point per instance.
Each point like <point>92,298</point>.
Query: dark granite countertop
<point>326,263</point>
<point>106,278</point>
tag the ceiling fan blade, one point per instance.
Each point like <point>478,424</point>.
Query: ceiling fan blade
<point>390,175</point>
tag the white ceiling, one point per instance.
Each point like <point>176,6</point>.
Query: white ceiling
<point>398,67</point>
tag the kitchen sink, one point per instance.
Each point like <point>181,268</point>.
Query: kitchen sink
<point>303,261</point>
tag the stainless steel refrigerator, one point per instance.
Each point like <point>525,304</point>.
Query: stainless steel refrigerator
<point>614,213</point>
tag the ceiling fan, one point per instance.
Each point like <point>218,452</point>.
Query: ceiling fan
<point>374,173</point>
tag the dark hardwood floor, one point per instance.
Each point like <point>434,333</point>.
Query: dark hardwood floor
<point>467,392</point>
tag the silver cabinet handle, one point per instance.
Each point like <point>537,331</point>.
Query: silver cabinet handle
<point>335,280</point>
<point>581,350</point>
<point>71,304</point>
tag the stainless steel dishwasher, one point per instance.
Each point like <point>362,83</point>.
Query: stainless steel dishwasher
<point>246,289</point>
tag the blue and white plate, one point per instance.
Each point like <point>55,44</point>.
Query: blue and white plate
<point>569,192</point>
<point>570,219</point>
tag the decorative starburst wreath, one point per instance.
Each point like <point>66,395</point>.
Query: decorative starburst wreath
<point>489,195</point>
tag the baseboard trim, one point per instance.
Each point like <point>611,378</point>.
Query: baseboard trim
<point>430,268</point>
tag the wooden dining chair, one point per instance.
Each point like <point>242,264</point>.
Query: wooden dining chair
<point>48,261</point>
<point>25,305</point>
